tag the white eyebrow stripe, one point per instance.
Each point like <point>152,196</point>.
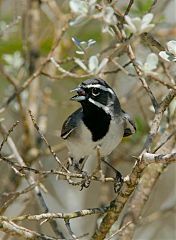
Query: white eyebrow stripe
<point>100,105</point>
<point>100,87</point>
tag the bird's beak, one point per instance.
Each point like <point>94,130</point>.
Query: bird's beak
<point>81,94</point>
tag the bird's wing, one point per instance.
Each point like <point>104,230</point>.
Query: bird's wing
<point>71,123</point>
<point>130,126</point>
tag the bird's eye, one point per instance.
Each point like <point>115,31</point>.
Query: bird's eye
<point>95,91</point>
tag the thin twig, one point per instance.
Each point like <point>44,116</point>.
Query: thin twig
<point>165,141</point>
<point>151,41</point>
<point>14,229</point>
<point>23,169</point>
<point>37,72</point>
<point>9,26</point>
<point>129,7</point>
<point>8,133</point>
<point>157,79</point>
<point>46,142</point>
<point>141,78</point>
<point>67,224</point>
<point>118,69</point>
<point>119,230</point>
<point>14,195</point>
<point>60,215</point>
<point>31,180</point>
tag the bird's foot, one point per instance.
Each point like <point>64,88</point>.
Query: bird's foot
<point>76,167</point>
<point>119,181</point>
<point>86,180</point>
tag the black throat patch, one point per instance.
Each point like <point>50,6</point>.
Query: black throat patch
<point>96,120</point>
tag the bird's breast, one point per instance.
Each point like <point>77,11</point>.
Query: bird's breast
<point>81,143</point>
<point>113,137</point>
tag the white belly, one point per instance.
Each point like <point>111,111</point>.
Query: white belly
<point>81,145</point>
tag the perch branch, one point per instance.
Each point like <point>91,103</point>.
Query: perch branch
<point>129,186</point>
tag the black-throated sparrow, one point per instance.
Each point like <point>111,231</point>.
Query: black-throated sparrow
<point>99,122</point>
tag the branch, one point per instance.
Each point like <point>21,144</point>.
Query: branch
<point>23,169</point>
<point>14,229</point>
<point>6,134</point>
<point>151,41</point>
<point>26,128</point>
<point>129,7</point>
<point>46,142</point>
<point>128,187</point>
<point>144,189</point>
<point>149,158</point>
<point>49,216</point>
<point>12,196</point>
<point>37,72</point>
<point>141,78</point>
<point>67,224</point>
<point>31,180</point>
<point>9,26</point>
<point>152,76</point>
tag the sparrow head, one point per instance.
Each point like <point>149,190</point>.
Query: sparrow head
<point>97,92</point>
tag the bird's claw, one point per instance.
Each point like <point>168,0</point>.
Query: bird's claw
<point>118,183</point>
<point>86,181</point>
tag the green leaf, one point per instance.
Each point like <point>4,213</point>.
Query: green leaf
<point>142,7</point>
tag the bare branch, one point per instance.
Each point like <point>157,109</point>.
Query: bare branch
<point>2,129</point>
<point>128,186</point>
<point>37,72</point>
<point>48,145</point>
<point>14,229</point>
<point>48,216</point>
<point>149,158</point>
<point>67,224</point>
<point>9,26</point>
